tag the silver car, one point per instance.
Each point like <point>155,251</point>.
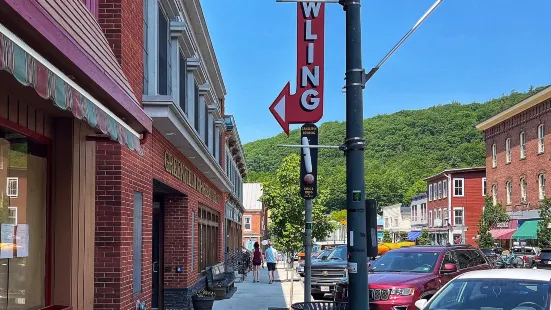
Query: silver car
<point>514,289</point>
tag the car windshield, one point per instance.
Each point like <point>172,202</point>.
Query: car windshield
<point>324,254</point>
<point>487,251</point>
<point>394,261</point>
<point>501,294</point>
<point>339,253</point>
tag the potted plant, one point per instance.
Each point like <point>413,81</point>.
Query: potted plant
<point>203,300</point>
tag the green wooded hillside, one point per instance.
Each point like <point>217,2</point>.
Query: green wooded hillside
<point>402,148</point>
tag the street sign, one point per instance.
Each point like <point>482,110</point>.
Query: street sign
<point>306,104</point>
<point>309,162</point>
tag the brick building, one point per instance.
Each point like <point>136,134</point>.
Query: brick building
<point>116,159</point>
<point>517,160</point>
<point>455,202</point>
<point>255,218</point>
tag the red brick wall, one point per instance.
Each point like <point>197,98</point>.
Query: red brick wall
<point>120,172</point>
<point>122,24</point>
<point>529,168</point>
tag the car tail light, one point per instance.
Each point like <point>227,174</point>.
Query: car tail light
<point>537,259</point>
<point>524,258</point>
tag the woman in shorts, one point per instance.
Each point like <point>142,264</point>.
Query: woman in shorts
<point>257,261</point>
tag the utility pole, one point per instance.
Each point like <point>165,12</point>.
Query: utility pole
<point>355,177</point>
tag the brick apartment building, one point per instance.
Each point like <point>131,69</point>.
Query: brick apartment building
<point>517,161</point>
<point>455,202</point>
<point>122,172</point>
<point>255,218</point>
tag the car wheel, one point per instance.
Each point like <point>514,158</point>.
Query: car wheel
<point>318,296</point>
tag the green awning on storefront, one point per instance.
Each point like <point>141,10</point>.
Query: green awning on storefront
<point>527,231</point>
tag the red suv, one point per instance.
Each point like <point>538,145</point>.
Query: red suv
<point>402,276</point>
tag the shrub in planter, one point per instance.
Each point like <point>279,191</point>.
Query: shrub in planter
<point>203,300</point>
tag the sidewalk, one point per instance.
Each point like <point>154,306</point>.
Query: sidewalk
<point>261,296</point>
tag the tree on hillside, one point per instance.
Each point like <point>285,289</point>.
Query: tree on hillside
<point>491,215</point>
<point>544,234</point>
<point>386,237</point>
<point>424,239</point>
<point>417,188</point>
<point>282,196</point>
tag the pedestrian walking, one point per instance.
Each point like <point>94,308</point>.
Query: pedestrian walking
<point>257,261</point>
<point>271,261</point>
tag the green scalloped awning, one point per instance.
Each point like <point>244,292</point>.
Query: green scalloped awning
<point>527,231</point>
<point>31,69</point>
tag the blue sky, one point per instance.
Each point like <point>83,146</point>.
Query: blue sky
<point>467,50</point>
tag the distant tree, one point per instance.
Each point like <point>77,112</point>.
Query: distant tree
<point>339,216</point>
<point>282,196</point>
<point>424,239</point>
<point>417,188</point>
<point>491,215</point>
<point>386,237</point>
<point>544,234</point>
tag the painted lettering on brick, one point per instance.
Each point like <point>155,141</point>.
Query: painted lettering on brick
<point>183,173</point>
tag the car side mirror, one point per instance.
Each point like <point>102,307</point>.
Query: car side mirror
<point>421,303</point>
<point>449,268</point>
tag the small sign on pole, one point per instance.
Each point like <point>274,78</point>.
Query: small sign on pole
<point>309,162</point>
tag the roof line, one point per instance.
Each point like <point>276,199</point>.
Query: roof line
<point>516,109</point>
<point>455,170</point>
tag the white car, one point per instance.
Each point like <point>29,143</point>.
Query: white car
<point>496,289</point>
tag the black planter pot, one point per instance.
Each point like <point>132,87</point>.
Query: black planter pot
<point>203,302</point>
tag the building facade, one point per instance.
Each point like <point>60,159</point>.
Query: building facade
<point>114,167</point>
<point>396,220</point>
<point>455,203</point>
<point>236,170</point>
<point>517,162</point>
<point>419,215</point>
<point>255,218</point>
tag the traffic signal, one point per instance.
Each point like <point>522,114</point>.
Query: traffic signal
<point>309,162</point>
<point>371,227</point>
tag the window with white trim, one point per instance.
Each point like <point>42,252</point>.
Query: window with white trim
<point>522,145</point>
<point>541,186</point>
<point>494,194</point>
<point>435,191</point>
<point>445,216</point>
<point>12,188</point>
<point>12,215</point>
<point>423,212</point>
<point>541,135</point>
<point>523,186</point>
<point>508,150</point>
<point>248,222</point>
<point>430,192</point>
<point>458,187</point>
<point>439,190</point>
<point>459,216</point>
<point>494,155</point>
<point>509,188</point>
<point>430,218</point>
<point>439,217</point>
<point>445,188</point>
<point>483,186</point>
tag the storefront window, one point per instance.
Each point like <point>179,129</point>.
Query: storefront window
<point>208,237</point>
<point>22,221</point>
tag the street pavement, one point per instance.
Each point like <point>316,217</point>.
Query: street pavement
<point>262,296</point>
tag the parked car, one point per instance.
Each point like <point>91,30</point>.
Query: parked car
<point>326,273</point>
<point>400,277</point>
<point>493,289</point>
<point>543,261</point>
<point>528,254</point>
<point>323,255</point>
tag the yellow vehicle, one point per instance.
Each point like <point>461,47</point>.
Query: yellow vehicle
<point>385,247</point>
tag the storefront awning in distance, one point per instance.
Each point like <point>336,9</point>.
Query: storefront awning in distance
<point>31,69</point>
<point>503,234</point>
<point>413,235</point>
<point>527,231</point>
